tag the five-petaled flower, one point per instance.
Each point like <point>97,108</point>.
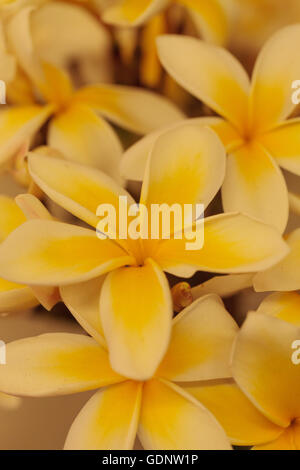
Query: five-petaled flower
<point>254,130</point>
<point>159,410</point>
<point>186,166</point>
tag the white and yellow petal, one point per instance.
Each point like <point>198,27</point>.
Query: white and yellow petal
<point>55,364</point>
<point>15,297</point>
<point>263,367</point>
<point>136,313</point>
<point>275,70</point>
<point>49,253</point>
<point>186,166</point>
<point>208,72</point>
<point>83,302</point>
<point>243,423</point>
<point>134,160</point>
<point>109,420</point>
<point>284,275</point>
<point>171,419</point>
<point>283,143</point>
<point>18,125</point>
<point>228,247</point>
<point>255,186</point>
<point>135,109</point>
<point>86,138</point>
<point>283,305</point>
<point>210,17</point>
<point>201,343</point>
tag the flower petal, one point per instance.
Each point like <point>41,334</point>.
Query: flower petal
<point>294,203</point>
<point>224,286</point>
<point>201,343</point>
<point>131,12</point>
<point>242,422</point>
<point>186,166</point>
<point>134,160</point>
<point>283,143</point>
<point>228,248</point>
<point>45,252</point>
<point>136,313</point>
<point>288,440</point>
<point>11,216</point>
<point>255,186</point>
<point>285,275</point>
<point>19,124</point>
<point>14,297</point>
<point>108,421</point>
<point>32,207</point>
<point>285,306</point>
<point>275,69</point>
<point>210,17</point>
<point>208,72</point>
<point>171,419</point>
<point>135,109</point>
<point>83,302</point>
<point>263,367</point>
<point>77,188</point>
<point>55,364</point>
<point>86,138</point>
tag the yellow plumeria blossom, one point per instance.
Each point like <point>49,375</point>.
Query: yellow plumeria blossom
<point>210,17</point>
<point>255,129</point>
<point>14,296</point>
<point>285,275</point>
<point>159,410</point>
<point>77,127</point>
<point>261,406</point>
<point>135,301</point>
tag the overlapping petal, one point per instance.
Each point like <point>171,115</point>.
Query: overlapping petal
<point>136,312</point>
<point>86,138</point>
<point>275,70</point>
<point>241,420</point>
<point>208,72</point>
<point>228,247</point>
<point>44,252</point>
<point>263,367</point>
<point>283,143</point>
<point>285,275</point>
<point>255,185</point>
<point>108,421</point>
<point>285,306</point>
<point>172,419</point>
<point>18,125</point>
<point>201,343</point>
<point>55,364</point>
<point>14,297</point>
<point>135,109</point>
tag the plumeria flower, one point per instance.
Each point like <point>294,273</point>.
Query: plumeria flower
<point>285,275</point>
<point>255,130</point>
<point>210,16</point>
<point>77,127</point>
<point>14,296</point>
<point>261,406</point>
<point>186,166</point>
<point>158,410</point>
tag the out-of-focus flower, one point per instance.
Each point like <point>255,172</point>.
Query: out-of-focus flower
<point>261,408</point>
<point>255,129</point>
<point>9,402</point>
<point>13,296</point>
<point>284,276</point>
<point>209,16</point>
<point>294,202</point>
<point>136,303</point>
<point>76,129</point>
<point>159,410</point>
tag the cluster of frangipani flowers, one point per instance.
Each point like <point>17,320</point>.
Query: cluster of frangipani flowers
<point>196,380</point>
